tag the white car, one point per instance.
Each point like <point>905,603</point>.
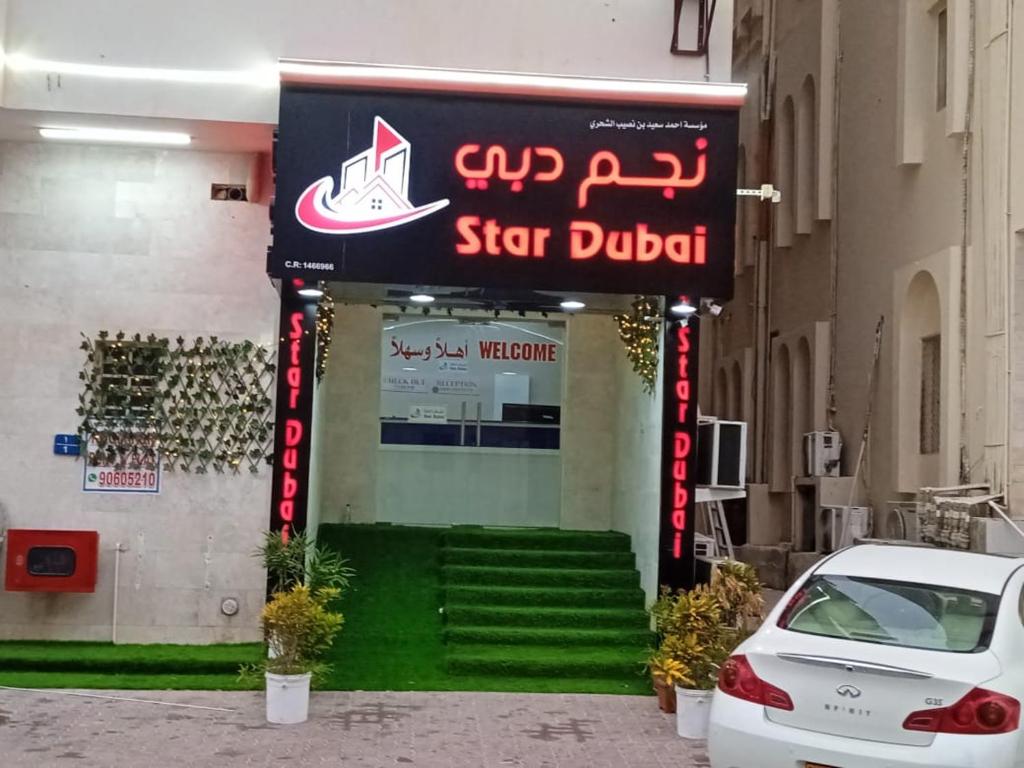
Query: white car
<point>881,657</point>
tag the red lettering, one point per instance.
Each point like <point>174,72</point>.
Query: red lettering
<point>540,238</point>
<point>296,350</point>
<point>491,232</point>
<point>683,338</point>
<point>289,485</point>
<point>290,460</point>
<point>296,332</point>
<point>677,546</point>
<point>681,495</point>
<point>683,407</point>
<point>620,246</point>
<point>285,533</point>
<point>286,510</point>
<point>679,519</point>
<point>551,352</point>
<point>470,244</point>
<point>294,377</point>
<point>683,390</point>
<point>648,246</point>
<point>677,248</point>
<point>683,445</point>
<point>579,248</point>
<point>516,349</point>
<point>517,241</point>
<point>486,349</point>
<point>700,245</point>
<point>292,432</point>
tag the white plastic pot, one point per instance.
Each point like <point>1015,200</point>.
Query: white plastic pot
<point>287,698</point>
<point>693,712</point>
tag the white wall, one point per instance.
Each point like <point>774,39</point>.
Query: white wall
<point>110,238</point>
<point>636,493</point>
<point>625,38</point>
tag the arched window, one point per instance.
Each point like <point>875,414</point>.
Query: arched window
<point>782,421</point>
<point>803,401</point>
<point>806,172</point>
<point>784,172</point>
<point>921,391</point>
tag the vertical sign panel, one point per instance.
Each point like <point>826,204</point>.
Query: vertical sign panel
<point>676,566</point>
<point>293,428</point>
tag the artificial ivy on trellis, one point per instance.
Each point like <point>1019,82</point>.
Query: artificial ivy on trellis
<point>640,330</point>
<point>198,405</point>
<point>324,328</point>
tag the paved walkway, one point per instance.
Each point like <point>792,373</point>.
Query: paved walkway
<point>354,730</point>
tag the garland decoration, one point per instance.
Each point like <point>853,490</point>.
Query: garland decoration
<point>324,328</point>
<point>640,331</point>
<point>199,405</point>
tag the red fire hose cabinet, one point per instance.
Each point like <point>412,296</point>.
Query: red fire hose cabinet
<point>51,561</point>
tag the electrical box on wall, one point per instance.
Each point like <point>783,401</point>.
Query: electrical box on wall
<point>721,453</point>
<point>822,451</point>
<point>51,561</point>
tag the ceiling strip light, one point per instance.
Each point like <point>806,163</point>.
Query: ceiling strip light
<point>264,77</point>
<point>508,83</point>
<point>116,135</point>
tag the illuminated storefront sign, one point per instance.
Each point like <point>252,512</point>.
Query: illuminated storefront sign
<point>676,566</point>
<point>296,354</point>
<point>432,189</point>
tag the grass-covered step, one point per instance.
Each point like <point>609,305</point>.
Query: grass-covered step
<point>133,682</point>
<point>576,597</point>
<point>536,538</point>
<point>541,558</point>
<point>539,577</point>
<point>82,658</point>
<point>536,616</point>
<point>545,661</point>
<point>563,636</point>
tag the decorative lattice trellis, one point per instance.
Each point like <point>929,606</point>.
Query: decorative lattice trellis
<point>197,405</point>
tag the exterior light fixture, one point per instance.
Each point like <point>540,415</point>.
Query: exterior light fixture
<point>116,136</point>
<point>570,305</point>
<point>421,298</point>
<point>310,293</point>
<point>682,309</point>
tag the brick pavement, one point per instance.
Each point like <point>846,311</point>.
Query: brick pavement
<point>350,729</point>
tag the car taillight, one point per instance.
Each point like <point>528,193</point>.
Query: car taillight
<point>787,612</point>
<point>737,678</point>
<point>978,712</point>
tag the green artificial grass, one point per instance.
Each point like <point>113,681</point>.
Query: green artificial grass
<point>137,667</point>
<point>430,609</point>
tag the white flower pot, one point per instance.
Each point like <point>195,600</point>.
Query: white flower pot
<point>287,698</point>
<point>693,710</point>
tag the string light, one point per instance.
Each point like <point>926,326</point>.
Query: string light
<point>324,329</point>
<point>639,331</point>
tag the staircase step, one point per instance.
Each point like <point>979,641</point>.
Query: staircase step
<point>533,616</point>
<point>561,636</point>
<point>545,661</point>
<point>536,538</point>
<point>470,575</point>
<point>126,659</point>
<point>542,558</point>
<point>576,597</point>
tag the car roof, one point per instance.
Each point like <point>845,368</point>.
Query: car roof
<point>971,571</point>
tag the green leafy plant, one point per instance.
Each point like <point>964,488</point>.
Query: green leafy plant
<point>698,629</point>
<point>299,627</point>
<point>301,561</point>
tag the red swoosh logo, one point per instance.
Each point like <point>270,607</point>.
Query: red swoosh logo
<point>313,210</point>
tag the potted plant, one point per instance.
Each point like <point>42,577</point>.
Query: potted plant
<point>666,673</point>
<point>299,623</point>
<point>698,630</point>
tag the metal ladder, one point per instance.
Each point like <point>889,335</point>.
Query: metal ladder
<point>714,512</point>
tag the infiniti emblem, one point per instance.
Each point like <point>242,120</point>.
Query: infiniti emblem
<point>849,691</point>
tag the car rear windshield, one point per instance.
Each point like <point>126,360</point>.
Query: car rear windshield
<point>893,613</point>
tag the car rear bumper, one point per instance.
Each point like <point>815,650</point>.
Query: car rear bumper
<point>741,737</point>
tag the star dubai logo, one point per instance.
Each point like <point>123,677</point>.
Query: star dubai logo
<point>374,193</point>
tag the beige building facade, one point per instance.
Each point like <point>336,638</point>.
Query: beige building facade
<point>895,133</point>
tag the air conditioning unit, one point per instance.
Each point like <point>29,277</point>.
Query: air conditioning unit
<point>822,451</point>
<point>721,453</point>
<point>834,521</point>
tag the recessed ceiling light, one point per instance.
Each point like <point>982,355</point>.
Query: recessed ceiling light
<point>572,305</point>
<point>116,136</point>
<point>408,369</point>
<point>683,308</point>
<point>421,298</point>
<point>508,373</point>
<point>311,293</point>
